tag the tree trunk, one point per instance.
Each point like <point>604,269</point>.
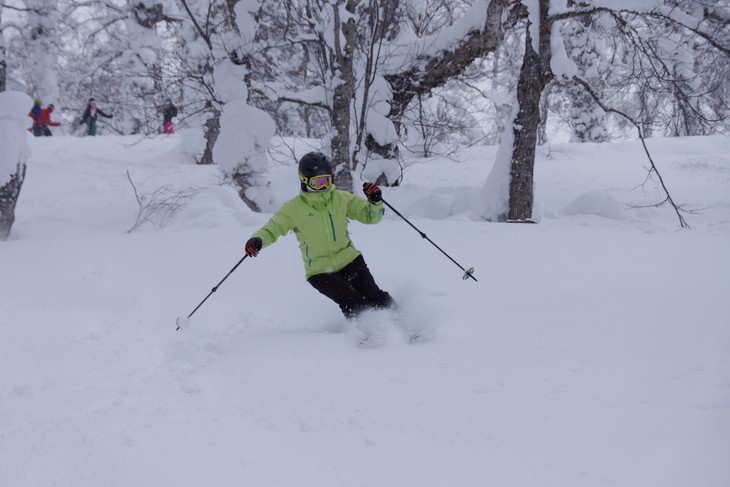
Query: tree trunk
<point>8,199</point>
<point>535,74</point>
<point>212,129</point>
<point>243,182</point>
<point>340,143</point>
<point>3,62</point>
<point>525,131</point>
<point>342,99</point>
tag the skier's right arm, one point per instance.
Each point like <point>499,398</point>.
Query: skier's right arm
<point>276,227</point>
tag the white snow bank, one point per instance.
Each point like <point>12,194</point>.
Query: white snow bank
<point>596,203</point>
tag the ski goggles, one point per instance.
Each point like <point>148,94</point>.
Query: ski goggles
<point>317,183</point>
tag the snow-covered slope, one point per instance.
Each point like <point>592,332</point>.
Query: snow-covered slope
<point>594,350</point>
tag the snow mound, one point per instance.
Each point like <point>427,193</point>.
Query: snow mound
<point>596,203</point>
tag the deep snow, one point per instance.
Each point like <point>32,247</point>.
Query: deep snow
<point>594,350</point>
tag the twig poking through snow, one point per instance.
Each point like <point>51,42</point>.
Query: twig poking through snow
<point>158,207</point>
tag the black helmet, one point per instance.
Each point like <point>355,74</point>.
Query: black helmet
<point>315,164</point>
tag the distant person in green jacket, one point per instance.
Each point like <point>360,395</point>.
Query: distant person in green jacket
<point>318,216</point>
<point>89,116</point>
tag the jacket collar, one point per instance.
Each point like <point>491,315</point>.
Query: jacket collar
<point>312,198</point>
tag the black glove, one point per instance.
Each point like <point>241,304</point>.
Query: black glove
<point>372,192</point>
<point>253,246</point>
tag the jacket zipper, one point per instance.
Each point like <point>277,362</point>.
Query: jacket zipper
<point>332,224</point>
<point>330,242</point>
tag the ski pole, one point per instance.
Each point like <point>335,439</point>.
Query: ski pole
<point>468,273</point>
<point>180,320</point>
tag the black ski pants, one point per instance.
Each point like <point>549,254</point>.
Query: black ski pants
<point>352,288</point>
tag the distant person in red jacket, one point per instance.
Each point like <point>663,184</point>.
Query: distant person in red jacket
<point>44,121</point>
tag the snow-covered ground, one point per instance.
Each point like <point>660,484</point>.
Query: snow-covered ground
<point>594,350</point>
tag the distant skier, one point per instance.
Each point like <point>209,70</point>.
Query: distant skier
<point>89,116</point>
<point>35,113</point>
<point>318,216</point>
<point>168,113</point>
<point>44,121</point>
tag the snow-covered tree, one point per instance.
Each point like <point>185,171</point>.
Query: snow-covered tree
<point>14,154</point>
<point>586,41</point>
<point>371,78</point>
<point>143,89</point>
<point>42,19</point>
<point>363,63</point>
<point>319,40</point>
<point>647,28</point>
<point>421,64</point>
<point>237,133</point>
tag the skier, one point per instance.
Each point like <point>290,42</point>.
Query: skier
<point>89,116</point>
<point>318,216</point>
<point>168,112</point>
<point>35,113</point>
<point>44,121</point>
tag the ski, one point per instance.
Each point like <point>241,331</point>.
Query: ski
<point>370,341</point>
<point>416,337</point>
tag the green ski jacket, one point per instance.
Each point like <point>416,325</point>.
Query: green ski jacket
<point>319,221</point>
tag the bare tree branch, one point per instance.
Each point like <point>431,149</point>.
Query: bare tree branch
<point>677,208</point>
<point>200,30</point>
<point>316,104</point>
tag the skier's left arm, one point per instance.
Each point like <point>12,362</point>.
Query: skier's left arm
<point>366,210</point>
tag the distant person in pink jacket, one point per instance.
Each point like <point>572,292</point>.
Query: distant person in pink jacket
<point>168,113</point>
